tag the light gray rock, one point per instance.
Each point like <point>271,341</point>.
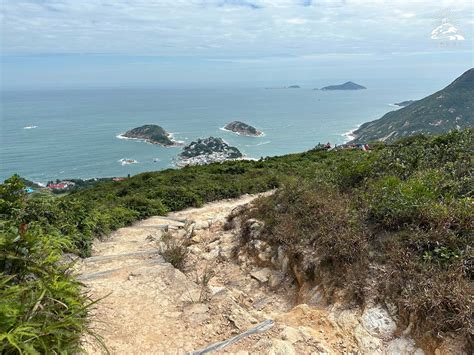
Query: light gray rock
<point>275,279</point>
<point>261,275</point>
<point>281,347</point>
<point>403,346</point>
<point>368,344</point>
<point>212,255</point>
<point>201,225</point>
<point>241,319</point>
<point>237,211</point>
<point>378,322</point>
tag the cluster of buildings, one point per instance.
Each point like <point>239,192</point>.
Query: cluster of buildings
<point>61,185</point>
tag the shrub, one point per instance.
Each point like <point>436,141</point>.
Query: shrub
<point>41,307</point>
<point>173,251</point>
<point>315,223</point>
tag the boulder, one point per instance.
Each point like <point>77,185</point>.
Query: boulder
<point>241,319</point>
<point>275,279</point>
<point>378,322</point>
<point>261,275</point>
<point>403,345</point>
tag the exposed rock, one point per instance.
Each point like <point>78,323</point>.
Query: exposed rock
<point>377,322</point>
<point>261,275</point>
<point>403,345</point>
<point>201,225</point>
<point>291,334</point>
<point>217,290</point>
<point>275,279</point>
<point>281,347</point>
<point>240,318</point>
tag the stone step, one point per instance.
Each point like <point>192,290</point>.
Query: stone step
<point>94,259</point>
<point>111,272</point>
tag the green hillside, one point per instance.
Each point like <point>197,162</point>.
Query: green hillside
<point>407,207</point>
<point>448,109</point>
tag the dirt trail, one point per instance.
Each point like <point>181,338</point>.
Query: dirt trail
<point>148,306</point>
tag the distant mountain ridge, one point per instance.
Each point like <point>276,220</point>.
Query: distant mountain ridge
<point>448,109</point>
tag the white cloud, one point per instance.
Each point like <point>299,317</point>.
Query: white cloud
<point>296,21</point>
<point>224,28</point>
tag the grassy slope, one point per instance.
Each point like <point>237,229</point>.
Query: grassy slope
<point>395,226</point>
<point>445,110</point>
<point>430,173</point>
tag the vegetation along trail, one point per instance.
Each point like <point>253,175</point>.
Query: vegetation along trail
<point>179,284</point>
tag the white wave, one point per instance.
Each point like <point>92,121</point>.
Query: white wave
<point>30,127</point>
<point>170,135</point>
<point>126,161</point>
<point>349,135</point>
<point>121,136</point>
<point>256,145</point>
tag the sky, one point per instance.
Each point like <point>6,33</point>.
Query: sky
<point>61,43</point>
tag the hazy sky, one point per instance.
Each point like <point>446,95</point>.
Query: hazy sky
<point>263,42</point>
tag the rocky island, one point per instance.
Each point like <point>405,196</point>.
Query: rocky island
<point>151,133</point>
<point>243,129</point>
<point>349,85</point>
<point>207,150</point>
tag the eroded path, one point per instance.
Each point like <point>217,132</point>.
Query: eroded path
<point>148,306</point>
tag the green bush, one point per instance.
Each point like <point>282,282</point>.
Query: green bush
<point>41,307</point>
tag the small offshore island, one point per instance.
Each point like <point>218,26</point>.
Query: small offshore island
<point>151,133</point>
<point>349,85</point>
<point>242,129</point>
<point>206,151</point>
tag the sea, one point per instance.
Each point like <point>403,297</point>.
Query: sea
<point>75,133</point>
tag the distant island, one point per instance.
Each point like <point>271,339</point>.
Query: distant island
<point>451,108</point>
<point>151,133</point>
<point>404,103</point>
<point>283,87</point>
<point>349,85</point>
<point>243,129</point>
<point>207,150</point>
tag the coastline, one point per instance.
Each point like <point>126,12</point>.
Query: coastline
<point>170,136</point>
<point>349,135</point>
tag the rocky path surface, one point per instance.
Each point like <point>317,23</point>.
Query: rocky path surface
<point>148,306</point>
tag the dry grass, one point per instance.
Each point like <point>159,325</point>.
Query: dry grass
<point>426,273</point>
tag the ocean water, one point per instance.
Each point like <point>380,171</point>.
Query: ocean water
<point>57,134</point>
